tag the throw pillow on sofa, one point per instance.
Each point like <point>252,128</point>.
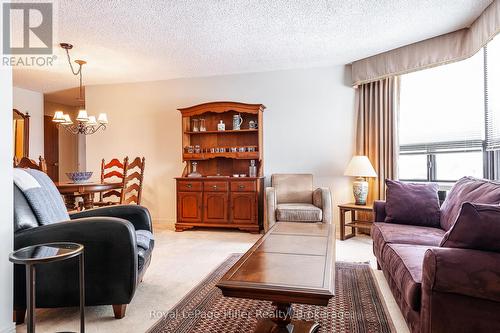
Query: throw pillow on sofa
<point>477,227</point>
<point>468,189</point>
<point>410,203</point>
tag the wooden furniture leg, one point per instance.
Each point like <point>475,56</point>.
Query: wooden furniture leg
<point>69,201</point>
<point>342,224</point>
<point>88,199</point>
<point>282,322</point>
<point>353,218</point>
<point>119,310</point>
<point>19,315</point>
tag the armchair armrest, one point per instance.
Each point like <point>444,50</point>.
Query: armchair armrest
<point>139,216</point>
<point>379,210</point>
<point>460,290</point>
<point>322,198</point>
<point>270,208</point>
<point>111,261</point>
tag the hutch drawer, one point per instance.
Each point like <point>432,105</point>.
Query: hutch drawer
<point>212,186</point>
<point>188,186</point>
<point>243,186</point>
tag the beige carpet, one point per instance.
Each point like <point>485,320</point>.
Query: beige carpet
<point>180,262</point>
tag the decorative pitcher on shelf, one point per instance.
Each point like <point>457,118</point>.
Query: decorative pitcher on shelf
<point>237,121</point>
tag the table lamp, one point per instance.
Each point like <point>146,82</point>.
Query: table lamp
<point>360,167</point>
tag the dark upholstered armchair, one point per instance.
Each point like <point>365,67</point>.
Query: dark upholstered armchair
<point>118,244</point>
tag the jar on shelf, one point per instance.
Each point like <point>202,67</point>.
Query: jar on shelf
<point>195,127</point>
<point>203,126</point>
<point>197,149</point>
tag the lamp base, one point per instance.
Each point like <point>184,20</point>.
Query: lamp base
<point>360,191</point>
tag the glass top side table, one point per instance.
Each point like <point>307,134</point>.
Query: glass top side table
<point>43,254</point>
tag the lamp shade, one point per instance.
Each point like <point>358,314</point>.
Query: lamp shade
<point>82,116</point>
<point>58,117</point>
<point>103,118</point>
<point>360,166</point>
<point>67,120</point>
<point>92,121</point>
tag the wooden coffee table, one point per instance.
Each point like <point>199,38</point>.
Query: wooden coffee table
<point>291,263</point>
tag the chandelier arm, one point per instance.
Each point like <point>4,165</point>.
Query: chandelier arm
<point>70,128</point>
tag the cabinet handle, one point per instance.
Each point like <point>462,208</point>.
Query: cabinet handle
<point>189,185</point>
<point>214,187</point>
<point>241,186</point>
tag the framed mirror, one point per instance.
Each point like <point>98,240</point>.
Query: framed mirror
<point>21,130</point>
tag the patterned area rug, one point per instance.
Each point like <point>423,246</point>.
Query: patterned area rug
<point>356,307</point>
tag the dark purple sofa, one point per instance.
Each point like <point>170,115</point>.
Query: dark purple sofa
<point>437,287</point>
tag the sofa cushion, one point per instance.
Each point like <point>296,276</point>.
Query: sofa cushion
<point>298,212</point>
<point>410,203</point>
<point>387,233</point>
<point>477,227</point>
<point>404,264</point>
<point>468,189</point>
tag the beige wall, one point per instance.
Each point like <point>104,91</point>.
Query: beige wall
<point>308,126</point>
<point>32,102</point>
<point>68,142</point>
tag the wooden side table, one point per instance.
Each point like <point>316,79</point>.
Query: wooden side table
<point>355,223</point>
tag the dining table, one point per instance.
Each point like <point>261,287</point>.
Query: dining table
<point>86,190</point>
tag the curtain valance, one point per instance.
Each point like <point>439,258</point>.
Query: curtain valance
<point>439,50</point>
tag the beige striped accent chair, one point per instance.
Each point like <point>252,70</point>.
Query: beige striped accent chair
<point>292,198</point>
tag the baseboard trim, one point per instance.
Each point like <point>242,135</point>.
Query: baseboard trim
<point>164,224</point>
<point>9,328</point>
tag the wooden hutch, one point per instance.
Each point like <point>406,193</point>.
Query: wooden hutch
<point>218,198</point>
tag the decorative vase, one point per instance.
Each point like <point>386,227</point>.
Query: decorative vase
<point>360,190</point>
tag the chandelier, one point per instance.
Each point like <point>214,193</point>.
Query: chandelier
<point>85,124</point>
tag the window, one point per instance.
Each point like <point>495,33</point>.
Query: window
<point>493,95</point>
<point>442,122</point>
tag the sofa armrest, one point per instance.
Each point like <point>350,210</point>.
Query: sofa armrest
<point>379,210</point>
<point>111,262</point>
<point>270,208</point>
<point>462,271</point>
<point>139,216</point>
<point>460,290</point>
<point>322,198</point>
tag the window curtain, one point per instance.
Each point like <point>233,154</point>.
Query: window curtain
<point>440,50</point>
<point>377,106</point>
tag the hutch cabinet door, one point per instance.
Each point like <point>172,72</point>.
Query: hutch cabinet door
<point>244,208</point>
<point>215,206</point>
<point>189,206</point>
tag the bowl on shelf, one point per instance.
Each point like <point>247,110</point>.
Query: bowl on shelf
<point>79,176</point>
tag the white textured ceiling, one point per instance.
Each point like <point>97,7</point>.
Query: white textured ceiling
<point>127,41</point>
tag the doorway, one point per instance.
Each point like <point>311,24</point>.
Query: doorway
<point>51,147</point>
